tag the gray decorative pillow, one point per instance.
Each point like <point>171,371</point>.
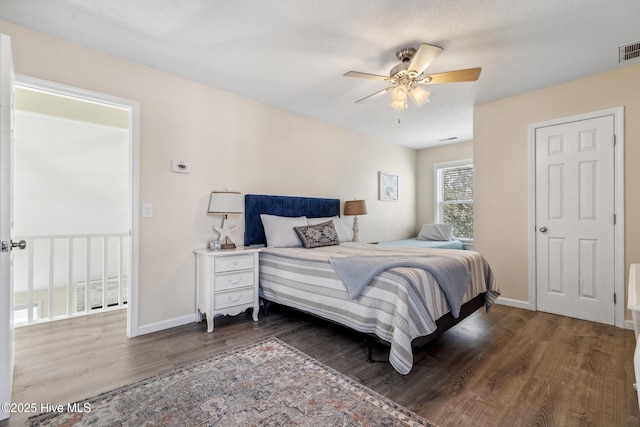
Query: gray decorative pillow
<point>313,236</point>
<point>437,232</point>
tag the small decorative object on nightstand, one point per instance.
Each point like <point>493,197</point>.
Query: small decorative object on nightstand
<point>226,283</point>
<point>355,207</point>
<point>225,202</point>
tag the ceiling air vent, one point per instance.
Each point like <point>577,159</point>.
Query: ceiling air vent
<point>629,51</point>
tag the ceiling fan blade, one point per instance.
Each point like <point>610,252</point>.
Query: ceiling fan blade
<point>373,96</point>
<point>423,58</point>
<point>468,75</point>
<point>365,75</point>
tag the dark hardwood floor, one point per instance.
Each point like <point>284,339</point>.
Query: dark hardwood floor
<point>509,367</point>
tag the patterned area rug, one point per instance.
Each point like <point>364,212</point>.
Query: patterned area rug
<point>268,383</point>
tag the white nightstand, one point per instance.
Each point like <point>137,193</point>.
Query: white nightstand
<point>226,283</point>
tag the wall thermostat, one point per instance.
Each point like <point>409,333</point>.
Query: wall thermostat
<point>180,166</point>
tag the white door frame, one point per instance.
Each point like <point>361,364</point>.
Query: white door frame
<point>134,173</point>
<point>7,339</point>
<point>619,262</point>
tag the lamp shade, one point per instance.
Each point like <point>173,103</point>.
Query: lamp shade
<point>399,105</point>
<point>355,207</point>
<point>419,95</point>
<point>226,202</point>
<point>399,93</point>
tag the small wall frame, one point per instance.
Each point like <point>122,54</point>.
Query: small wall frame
<point>388,186</point>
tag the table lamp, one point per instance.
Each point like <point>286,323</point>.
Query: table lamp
<point>226,202</point>
<point>355,208</point>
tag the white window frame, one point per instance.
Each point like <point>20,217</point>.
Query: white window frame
<point>437,192</point>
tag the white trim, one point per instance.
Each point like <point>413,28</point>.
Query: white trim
<point>165,324</point>
<point>133,108</point>
<point>619,267</point>
<point>7,337</point>
<point>132,291</point>
<point>525,305</point>
<point>628,324</point>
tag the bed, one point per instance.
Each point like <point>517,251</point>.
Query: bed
<point>401,305</point>
<point>427,244</point>
<point>435,236</point>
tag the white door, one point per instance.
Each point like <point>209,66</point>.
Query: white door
<point>575,219</point>
<point>6,289</point>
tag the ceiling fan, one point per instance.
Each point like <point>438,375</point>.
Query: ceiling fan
<point>409,74</point>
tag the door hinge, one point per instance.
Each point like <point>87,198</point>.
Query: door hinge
<point>614,299</point>
<point>615,219</point>
<point>615,140</point>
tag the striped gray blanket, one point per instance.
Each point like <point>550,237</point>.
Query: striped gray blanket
<point>357,272</point>
<point>399,304</point>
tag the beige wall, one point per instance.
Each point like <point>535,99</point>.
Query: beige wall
<point>425,184</point>
<point>501,168</point>
<point>231,142</point>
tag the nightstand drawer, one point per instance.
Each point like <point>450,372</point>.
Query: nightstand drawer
<point>231,263</point>
<point>233,280</point>
<point>231,298</point>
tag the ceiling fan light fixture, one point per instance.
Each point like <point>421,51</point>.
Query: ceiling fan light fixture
<point>419,95</point>
<point>399,105</point>
<point>399,93</point>
<point>410,72</point>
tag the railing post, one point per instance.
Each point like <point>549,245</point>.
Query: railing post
<point>31,249</point>
<point>120,269</point>
<point>87,274</point>
<point>70,287</point>
<point>37,260</point>
<point>105,259</point>
<point>51,272</point>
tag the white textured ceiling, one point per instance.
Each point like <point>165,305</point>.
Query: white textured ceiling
<point>292,54</point>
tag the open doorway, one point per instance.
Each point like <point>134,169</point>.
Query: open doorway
<point>73,202</point>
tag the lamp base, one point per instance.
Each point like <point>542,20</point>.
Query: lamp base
<point>356,229</point>
<point>228,246</point>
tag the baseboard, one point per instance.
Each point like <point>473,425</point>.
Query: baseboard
<point>628,324</point>
<point>166,324</point>
<point>514,303</point>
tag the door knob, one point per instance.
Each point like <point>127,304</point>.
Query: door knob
<point>20,245</point>
<point>543,229</point>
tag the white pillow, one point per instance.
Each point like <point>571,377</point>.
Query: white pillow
<point>279,230</point>
<point>343,232</point>
<point>436,232</point>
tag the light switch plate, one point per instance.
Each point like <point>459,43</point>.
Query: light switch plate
<point>147,210</point>
<point>180,166</point>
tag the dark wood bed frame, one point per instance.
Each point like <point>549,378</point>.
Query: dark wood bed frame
<point>312,207</point>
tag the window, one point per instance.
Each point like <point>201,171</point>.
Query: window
<point>454,196</point>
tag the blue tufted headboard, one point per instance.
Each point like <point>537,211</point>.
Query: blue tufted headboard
<point>256,204</point>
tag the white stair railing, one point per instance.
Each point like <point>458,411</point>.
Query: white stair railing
<point>54,271</point>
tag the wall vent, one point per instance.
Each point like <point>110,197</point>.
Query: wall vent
<point>629,51</point>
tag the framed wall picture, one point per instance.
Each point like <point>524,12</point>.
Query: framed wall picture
<point>388,184</point>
